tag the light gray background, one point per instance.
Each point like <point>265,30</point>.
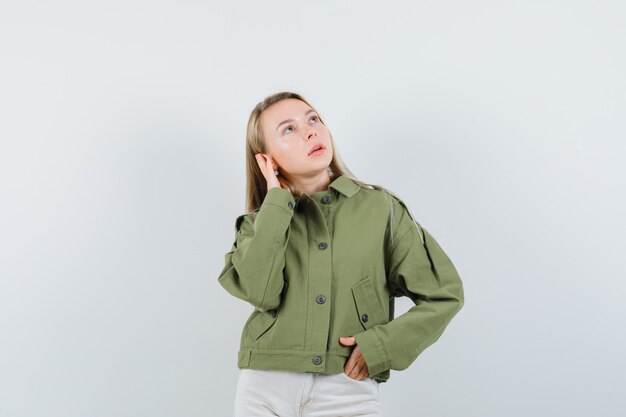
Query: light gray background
<point>122,129</point>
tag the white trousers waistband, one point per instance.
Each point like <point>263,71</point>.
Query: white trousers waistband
<point>264,393</point>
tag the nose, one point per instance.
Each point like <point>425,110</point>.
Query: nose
<point>309,133</point>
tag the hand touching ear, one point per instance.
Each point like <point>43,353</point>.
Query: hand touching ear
<point>355,367</point>
<point>267,165</point>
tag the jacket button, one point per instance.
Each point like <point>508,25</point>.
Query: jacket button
<point>320,299</point>
<point>317,360</point>
<point>290,204</point>
<point>323,245</point>
<point>364,318</point>
<point>327,199</point>
<point>273,313</point>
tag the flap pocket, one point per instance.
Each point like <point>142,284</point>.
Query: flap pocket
<point>370,312</point>
<point>261,323</point>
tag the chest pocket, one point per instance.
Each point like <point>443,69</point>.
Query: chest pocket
<point>370,312</point>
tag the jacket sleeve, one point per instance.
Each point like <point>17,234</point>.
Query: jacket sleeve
<point>253,269</point>
<point>418,268</point>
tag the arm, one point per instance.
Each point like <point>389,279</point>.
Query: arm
<point>420,270</point>
<point>253,269</point>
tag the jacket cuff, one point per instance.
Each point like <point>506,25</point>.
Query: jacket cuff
<point>373,350</point>
<point>280,197</point>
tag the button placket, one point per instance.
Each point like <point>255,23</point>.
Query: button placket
<point>320,272</point>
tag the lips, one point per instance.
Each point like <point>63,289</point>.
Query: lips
<point>315,147</point>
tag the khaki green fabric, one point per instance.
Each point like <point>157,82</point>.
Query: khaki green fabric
<point>319,267</point>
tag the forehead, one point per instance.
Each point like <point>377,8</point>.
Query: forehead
<point>289,108</point>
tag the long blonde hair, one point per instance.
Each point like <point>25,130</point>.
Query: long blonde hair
<point>255,143</point>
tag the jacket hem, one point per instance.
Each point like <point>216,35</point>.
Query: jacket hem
<point>298,361</point>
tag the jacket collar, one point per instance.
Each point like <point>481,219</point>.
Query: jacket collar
<point>345,185</point>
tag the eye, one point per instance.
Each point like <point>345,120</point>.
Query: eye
<point>314,118</point>
<point>285,129</point>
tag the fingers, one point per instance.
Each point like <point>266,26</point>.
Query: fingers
<point>356,367</point>
<point>354,373</point>
<point>347,341</point>
<point>263,159</point>
<point>267,164</point>
<point>350,364</point>
<point>363,374</point>
<point>353,365</point>
<point>358,372</point>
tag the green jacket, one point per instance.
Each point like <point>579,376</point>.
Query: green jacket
<point>319,267</point>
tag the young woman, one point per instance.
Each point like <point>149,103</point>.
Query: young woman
<point>320,255</point>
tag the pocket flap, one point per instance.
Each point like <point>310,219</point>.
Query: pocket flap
<point>370,313</point>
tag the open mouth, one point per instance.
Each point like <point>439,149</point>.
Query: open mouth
<point>316,149</point>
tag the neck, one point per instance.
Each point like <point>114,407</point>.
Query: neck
<point>311,184</point>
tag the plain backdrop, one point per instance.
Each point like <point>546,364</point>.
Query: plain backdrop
<point>122,129</point>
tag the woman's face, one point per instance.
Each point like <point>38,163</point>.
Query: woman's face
<point>292,130</point>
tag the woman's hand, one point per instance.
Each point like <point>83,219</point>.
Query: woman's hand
<point>267,165</point>
<point>355,367</point>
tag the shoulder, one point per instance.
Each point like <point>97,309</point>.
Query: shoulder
<point>395,203</point>
<point>401,219</point>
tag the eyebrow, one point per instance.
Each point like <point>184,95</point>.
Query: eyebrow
<point>292,120</point>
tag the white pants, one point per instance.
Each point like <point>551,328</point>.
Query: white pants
<point>262,393</point>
